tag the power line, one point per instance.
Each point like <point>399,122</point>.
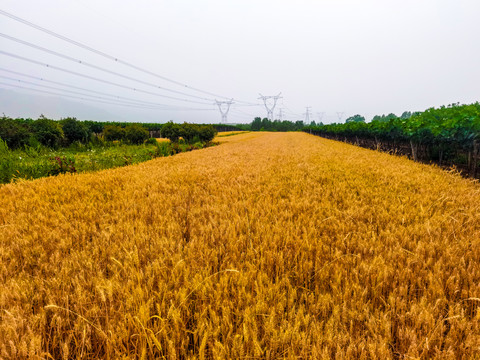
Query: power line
<point>243,112</point>
<point>120,102</point>
<point>105,55</point>
<point>292,112</point>
<point>83,89</point>
<point>241,115</point>
<point>77,97</point>
<point>91,77</point>
<point>78,61</point>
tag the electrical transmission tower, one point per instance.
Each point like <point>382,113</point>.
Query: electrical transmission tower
<point>224,107</point>
<point>320,116</point>
<point>270,107</point>
<point>340,115</point>
<point>307,115</point>
<point>280,114</point>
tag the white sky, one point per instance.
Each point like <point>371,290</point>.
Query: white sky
<point>368,57</point>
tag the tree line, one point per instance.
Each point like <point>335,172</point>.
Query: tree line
<point>18,133</point>
<point>448,135</point>
<point>259,124</point>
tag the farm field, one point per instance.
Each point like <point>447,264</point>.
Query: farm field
<point>270,245</point>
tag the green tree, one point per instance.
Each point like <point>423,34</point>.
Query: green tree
<point>136,134</point>
<point>256,124</point>
<point>15,133</point>
<point>48,132</point>
<point>94,126</point>
<point>171,131</point>
<point>188,132</point>
<point>355,118</point>
<point>113,132</point>
<point>206,133</point>
<point>74,130</point>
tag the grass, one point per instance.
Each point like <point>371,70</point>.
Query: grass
<point>272,246</point>
<point>34,163</point>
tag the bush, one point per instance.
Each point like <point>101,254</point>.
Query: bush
<point>94,126</point>
<point>113,132</point>
<point>207,133</point>
<point>14,133</point>
<point>3,147</point>
<point>136,134</point>
<point>48,132</point>
<point>151,141</point>
<point>171,131</point>
<point>75,130</point>
<point>188,132</point>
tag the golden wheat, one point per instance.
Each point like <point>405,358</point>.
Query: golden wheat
<point>267,246</point>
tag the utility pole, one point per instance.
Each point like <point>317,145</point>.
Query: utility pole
<point>270,107</point>
<point>307,115</point>
<point>224,107</point>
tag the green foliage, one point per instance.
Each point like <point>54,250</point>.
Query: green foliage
<point>190,133</point>
<point>171,131</point>
<point>136,134</point>
<point>355,118</point>
<point>385,118</point>
<point>206,133</point>
<point>75,130</point>
<point>151,141</point>
<point>113,132</point>
<point>68,132</point>
<point>259,124</point>
<point>16,133</point>
<point>456,125</point>
<point>449,133</point>
<point>63,165</point>
<point>48,132</point>
<point>94,126</point>
<point>3,147</point>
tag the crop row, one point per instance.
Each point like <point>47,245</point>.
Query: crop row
<point>270,246</point>
<point>448,135</point>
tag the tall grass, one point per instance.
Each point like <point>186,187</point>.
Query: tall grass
<point>269,246</point>
<point>36,162</point>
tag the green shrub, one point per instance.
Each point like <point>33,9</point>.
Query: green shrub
<point>3,147</point>
<point>136,134</point>
<point>48,132</point>
<point>14,133</point>
<point>206,133</point>
<point>151,141</point>
<point>75,130</point>
<point>171,131</point>
<point>188,132</point>
<point>113,132</point>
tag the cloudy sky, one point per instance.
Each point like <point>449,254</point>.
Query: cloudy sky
<point>339,57</point>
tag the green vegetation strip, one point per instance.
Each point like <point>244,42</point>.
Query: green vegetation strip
<point>33,163</point>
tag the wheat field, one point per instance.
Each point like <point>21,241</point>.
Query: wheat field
<point>268,246</point>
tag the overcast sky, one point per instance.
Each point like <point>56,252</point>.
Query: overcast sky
<point>336,56</point>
